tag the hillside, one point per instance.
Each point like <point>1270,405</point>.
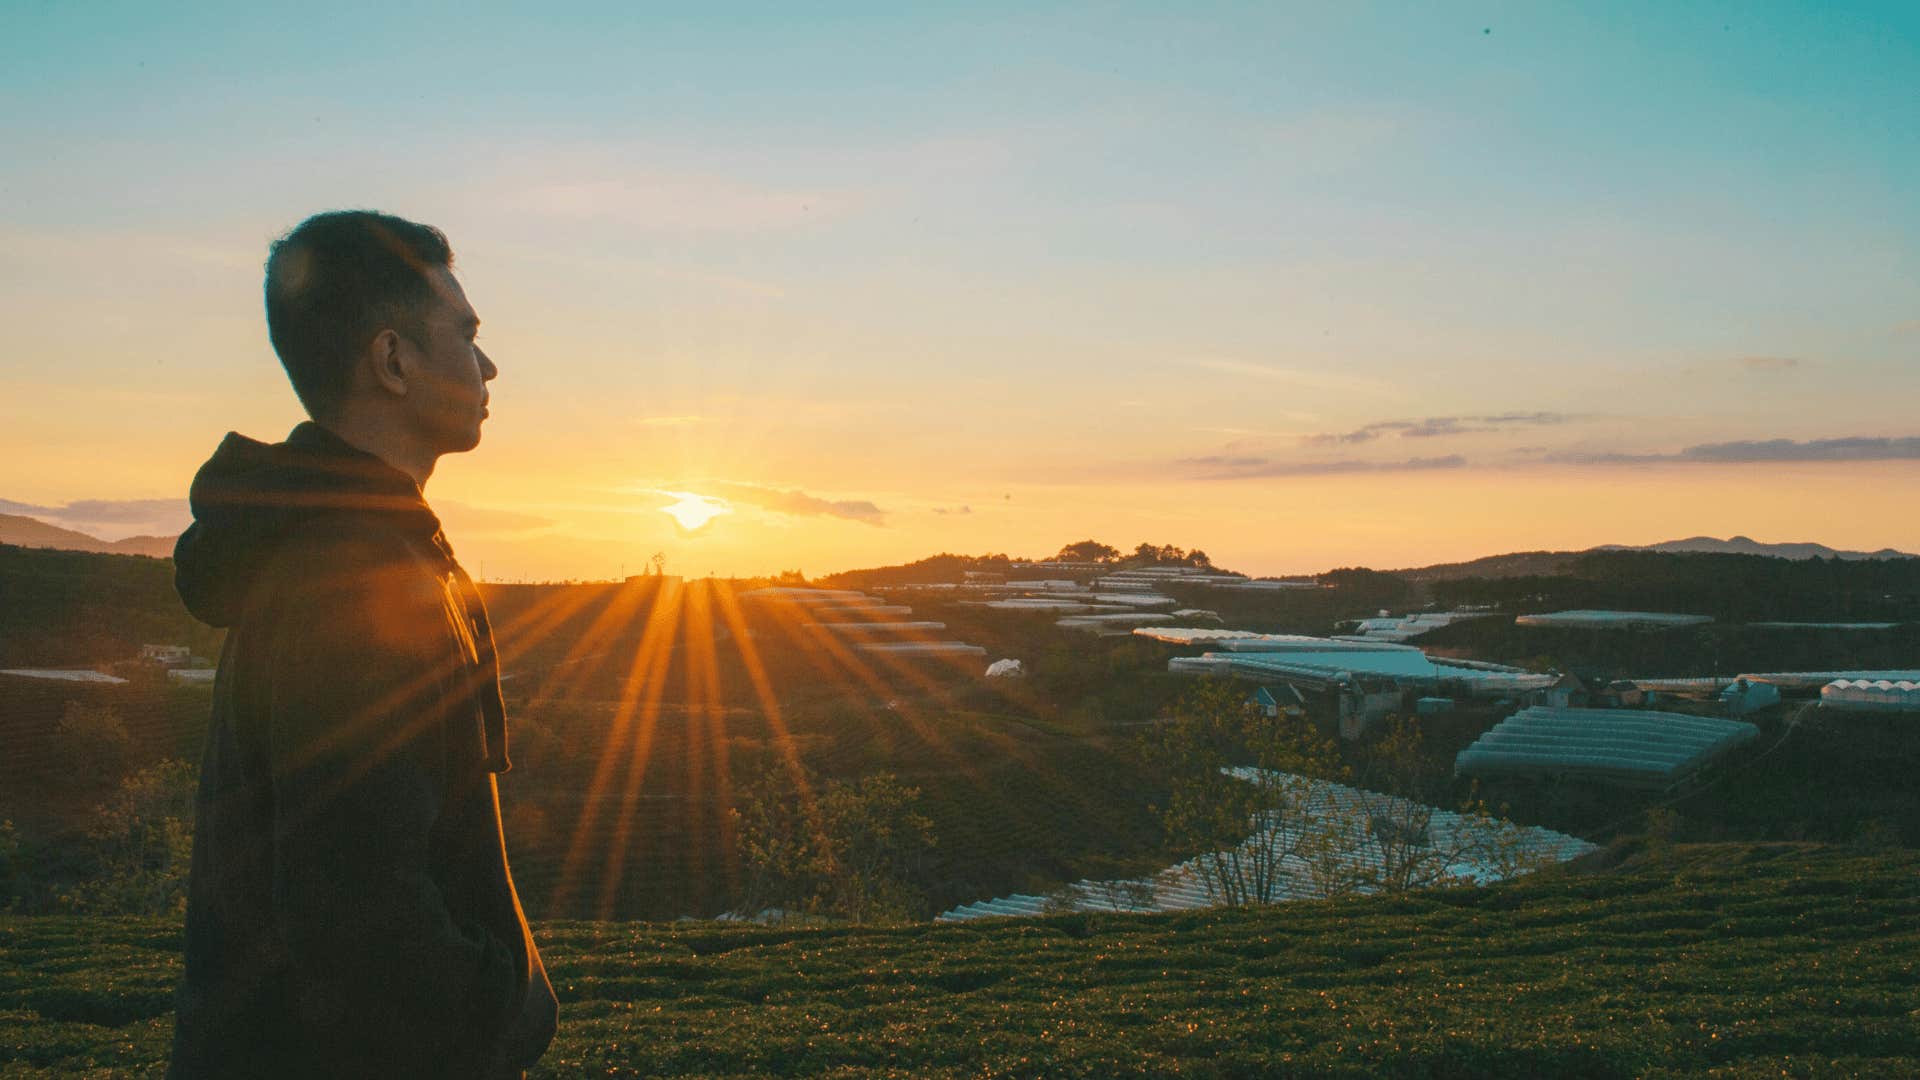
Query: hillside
<point>1742,545</point>
<point>1546,563</point>
<point>74,608</point>
<point>1732,960</point>
<point>34,533</point>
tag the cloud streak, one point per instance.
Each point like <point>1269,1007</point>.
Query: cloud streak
<point>1434,427</point>
<point>124,517</point>
<point>1768,363</point>
<point>684,420</point>
<point>1311,380</point>
<point>1761,451</point>
<point>800,504</point>
<point>1245,468</point>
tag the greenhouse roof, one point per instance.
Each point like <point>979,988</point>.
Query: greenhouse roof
<point>1612,620</point>
<point>1872,695</point>
<point>64,675</point>
<point>1809,680</point>
<point>1341,663</point>
<point>805,596</point>
<point>921,648</point>
<point>1620,746</point>
<point>1188,635</point>
<point>878,627</point>
<point>1474,849</point>
<point>1824,625</point>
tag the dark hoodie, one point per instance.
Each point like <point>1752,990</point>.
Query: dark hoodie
<point>349,911</point>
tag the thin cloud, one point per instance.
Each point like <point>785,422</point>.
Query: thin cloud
<point>1760,451</point>
<point>800,504</point>
<point>1312,380</point>
<point>462,518</point>
<point>1438,426</point>
<point>669,202</point>
<point>124,517</point>
<point>1242,468</point>
<point>953,509</point>
<point>688,420</point>
<point>1768,363</point>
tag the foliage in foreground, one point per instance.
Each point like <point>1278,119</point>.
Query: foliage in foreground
<point>1732,960</point>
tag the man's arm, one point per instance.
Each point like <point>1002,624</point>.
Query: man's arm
<point>361,658</point>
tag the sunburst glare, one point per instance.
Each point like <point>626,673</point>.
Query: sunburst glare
<point>694,511</point>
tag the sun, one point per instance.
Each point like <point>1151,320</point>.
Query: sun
<point>694,511</point>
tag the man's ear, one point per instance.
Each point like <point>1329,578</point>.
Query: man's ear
<point>387,361</point>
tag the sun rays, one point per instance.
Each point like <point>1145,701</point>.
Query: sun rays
<point>672,663</point>
<point>692,512</point>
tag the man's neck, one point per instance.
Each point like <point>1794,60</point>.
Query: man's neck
<point>387,443</point>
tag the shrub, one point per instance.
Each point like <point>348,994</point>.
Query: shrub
<point>140,845</point>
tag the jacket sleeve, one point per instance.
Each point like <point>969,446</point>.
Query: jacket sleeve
<point>358,753</point>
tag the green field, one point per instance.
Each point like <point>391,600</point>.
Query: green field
<point>1727,960</point>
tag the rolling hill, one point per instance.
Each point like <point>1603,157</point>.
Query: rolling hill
<point>34,533</point>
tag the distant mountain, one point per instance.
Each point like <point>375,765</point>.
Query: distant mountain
<point>1741,545</point>
<point>1542,563</point>
<point>34,533</point>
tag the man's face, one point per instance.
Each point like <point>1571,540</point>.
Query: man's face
<point>448,399</point>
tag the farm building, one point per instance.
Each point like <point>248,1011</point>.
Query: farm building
<point>1612,620</point>
<point>1871,695</point>
<point>167,655</point>
<point>1271,701</point>
<point>1620,746</point>
<point>1743,697</point>
<point>1274,865</point>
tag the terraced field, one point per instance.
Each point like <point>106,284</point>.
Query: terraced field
<point>1723,960</point>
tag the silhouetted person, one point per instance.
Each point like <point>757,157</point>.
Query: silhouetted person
<point>350,912</point>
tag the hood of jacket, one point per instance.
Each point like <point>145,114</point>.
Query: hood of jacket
<point>250,495</point>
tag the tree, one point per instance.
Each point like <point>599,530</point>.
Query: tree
<point>1250,827</point>
<point>139,845</point>
<point>13,871</point>
<point>92,740</point>
<point>851,850</point>
<point>1261,801</point>
<point>1419,845</point>
<point>1088,551</point>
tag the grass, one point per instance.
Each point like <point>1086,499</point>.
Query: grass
<point>1724,959</point>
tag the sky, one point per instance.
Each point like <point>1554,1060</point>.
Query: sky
<point>1302,286</point>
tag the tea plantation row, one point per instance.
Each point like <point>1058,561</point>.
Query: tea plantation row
<point>1730,960</point>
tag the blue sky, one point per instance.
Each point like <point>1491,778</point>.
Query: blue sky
<point>921,257</point>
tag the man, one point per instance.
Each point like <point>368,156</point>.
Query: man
<point>350,912</point>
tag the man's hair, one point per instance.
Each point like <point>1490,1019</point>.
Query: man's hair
<point>335,281</point>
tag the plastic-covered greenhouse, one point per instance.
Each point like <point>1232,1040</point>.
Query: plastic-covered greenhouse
<point>1621,746</point>
<point>1473,849</point>
<point>1612,620</point>
<point>1871,695</point>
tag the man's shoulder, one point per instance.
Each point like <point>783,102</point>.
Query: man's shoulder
<point>350,562</point>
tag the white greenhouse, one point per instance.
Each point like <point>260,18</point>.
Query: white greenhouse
<point>1612,620</point>
<point>1871,695</point>
<point>1328,842</point>
<point>1620,746</point>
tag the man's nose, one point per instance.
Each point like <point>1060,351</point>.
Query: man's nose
<point>487,370</point>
